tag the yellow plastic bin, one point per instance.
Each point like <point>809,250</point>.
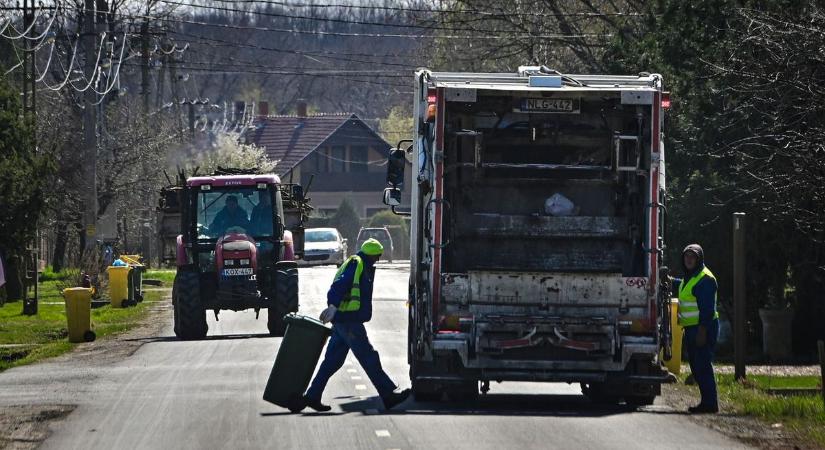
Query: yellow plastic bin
<point>674,364</point>
<point>79,314</point>
<point>118,285</point>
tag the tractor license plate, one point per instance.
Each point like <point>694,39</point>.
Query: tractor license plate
<point>237,272</point>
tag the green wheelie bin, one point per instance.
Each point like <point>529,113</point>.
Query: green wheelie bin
<point>297,357</point>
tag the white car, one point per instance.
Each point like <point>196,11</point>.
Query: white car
<point>323,246</point>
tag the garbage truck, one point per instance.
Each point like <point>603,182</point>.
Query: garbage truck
<point>537,220</point>
<point>233,236</point>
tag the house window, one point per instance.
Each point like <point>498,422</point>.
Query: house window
<point>358,159</point>
<point>337,159</point>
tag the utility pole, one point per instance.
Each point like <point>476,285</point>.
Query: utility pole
<point>89,37</point>
<point>144,67</point>
<point>739,297</point>
<point>30,264</point>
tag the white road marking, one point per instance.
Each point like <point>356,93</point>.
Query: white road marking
<point>352,371</point>
<point>360,387</point>
<point>382,433</point>
<point>356,377</point>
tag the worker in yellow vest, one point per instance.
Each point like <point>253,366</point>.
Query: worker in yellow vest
<point>698,315</point>
<point>350,305</point>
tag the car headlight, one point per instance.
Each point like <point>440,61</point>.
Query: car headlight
<point>245,261</point>
<point>229,262</point>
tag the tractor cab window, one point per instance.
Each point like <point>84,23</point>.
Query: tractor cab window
<point>237,210</point>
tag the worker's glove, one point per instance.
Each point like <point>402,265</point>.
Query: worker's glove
<point>328,314</point>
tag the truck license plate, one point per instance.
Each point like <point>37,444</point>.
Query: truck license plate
<point>550,105</point>
<point>236,272</point>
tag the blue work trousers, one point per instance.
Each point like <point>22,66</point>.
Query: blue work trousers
<point>701,361</point>
<point>346,336</point>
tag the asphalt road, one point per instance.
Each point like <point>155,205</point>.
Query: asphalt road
<point>207,394</point>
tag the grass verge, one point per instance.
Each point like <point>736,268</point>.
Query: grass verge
<point>26,339</point>
<point>803,415</point>
<point>167,276</point>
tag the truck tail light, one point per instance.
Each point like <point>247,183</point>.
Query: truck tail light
<point>665,100</point>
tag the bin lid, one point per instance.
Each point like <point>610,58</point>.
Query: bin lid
<point>76,289</point>
<point>305,321</point>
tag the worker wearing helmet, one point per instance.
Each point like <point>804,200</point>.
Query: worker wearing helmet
<point>698,315</point>
<point>349,306</point>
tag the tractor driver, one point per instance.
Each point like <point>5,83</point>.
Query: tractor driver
<point>232,215</point>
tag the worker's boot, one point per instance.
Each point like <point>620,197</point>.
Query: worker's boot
<point>395,398</point>
<point>703,409</point>
<point>316,404</point>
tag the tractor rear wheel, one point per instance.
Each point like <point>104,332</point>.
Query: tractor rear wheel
<point>190,316</point>
<point>286,297</point>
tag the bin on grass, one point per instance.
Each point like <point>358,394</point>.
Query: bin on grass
<point>297,357</point>
<point>674,364</point>
<point>119,285</point>
<point>79,314</point>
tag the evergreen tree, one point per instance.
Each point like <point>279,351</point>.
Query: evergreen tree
<point>23,172</point>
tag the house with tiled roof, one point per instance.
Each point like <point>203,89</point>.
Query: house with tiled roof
<point>340,153</point>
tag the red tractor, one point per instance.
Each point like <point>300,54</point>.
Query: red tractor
<point>233,246</point>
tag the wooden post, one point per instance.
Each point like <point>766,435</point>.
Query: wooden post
<point>821,347</point>
<point>739,299</point>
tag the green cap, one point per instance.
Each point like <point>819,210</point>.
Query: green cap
<point>371,247</point>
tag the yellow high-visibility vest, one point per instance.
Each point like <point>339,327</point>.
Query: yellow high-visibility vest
<point>352,302</point>
<point>688,311</point>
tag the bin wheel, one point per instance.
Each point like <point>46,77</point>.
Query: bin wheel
<point>89,336</point>
<point>190,316</point>
<point>286,299</point>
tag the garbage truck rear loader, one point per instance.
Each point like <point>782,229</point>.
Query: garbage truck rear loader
<point>537,222</point>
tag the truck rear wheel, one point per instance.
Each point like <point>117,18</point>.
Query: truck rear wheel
<point>597,393</point>
<point>426,391</point>
<point>190,316</point>
<point>465,392</point>
<point>639,400</point>
<point>286,297</point>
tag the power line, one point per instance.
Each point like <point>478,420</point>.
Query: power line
<point>425,10</point>
<point>209,71</point>
<point>308,54</point>
<point>264,13</point>
<point>373,35</point>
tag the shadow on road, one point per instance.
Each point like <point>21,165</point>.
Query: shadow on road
<point>512,405</point>
<point>222,337</point>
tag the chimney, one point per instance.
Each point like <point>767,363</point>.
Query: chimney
<point>301,108</point>
<point>263,109</point>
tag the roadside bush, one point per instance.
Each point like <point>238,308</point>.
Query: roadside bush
<point>399,230</point>
<point>346,220</point>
